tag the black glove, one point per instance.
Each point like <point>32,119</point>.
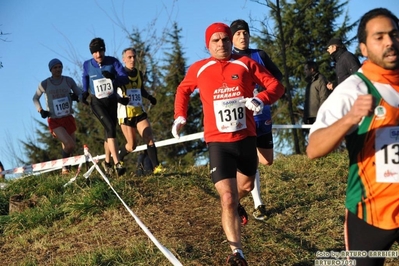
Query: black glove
<point>108,75</point>
<point>44,113</point>
<point>74,97</point>
<point>123,100</point>
<point>84,97</point>
<point>152,99</point>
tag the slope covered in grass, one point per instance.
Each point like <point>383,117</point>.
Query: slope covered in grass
<point>86,224</point>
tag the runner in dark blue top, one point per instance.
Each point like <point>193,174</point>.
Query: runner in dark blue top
<point>263,120</point>
<point>101,77</point>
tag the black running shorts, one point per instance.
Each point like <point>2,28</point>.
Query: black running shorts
<point>226,158</point>
<point>265,141</point>
<point>361,236</point>
<point>132,122</point>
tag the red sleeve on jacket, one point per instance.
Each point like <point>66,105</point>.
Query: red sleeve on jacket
<point>184,90</point>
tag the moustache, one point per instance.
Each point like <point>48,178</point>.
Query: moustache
<point>390,50</point>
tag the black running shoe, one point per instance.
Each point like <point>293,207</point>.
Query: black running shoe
<point>260,213</point>
<point>236,260</point>
<point>243,214</point>
<point>107,167</point>
<point>119,168</point>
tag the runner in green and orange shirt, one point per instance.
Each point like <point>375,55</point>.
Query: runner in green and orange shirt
<point>364,109</point>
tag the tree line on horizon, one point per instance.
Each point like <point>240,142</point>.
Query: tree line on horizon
<point>300,32</point>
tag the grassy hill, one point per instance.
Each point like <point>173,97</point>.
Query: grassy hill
<point>86,224</point>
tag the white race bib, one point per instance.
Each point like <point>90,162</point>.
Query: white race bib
<point>61,107</point>
<point>387,154</point>
<point>103,88</point>
<point>135,97</point>
<point>230,114</point>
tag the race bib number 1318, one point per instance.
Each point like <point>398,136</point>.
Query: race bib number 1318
<point>230,114</point>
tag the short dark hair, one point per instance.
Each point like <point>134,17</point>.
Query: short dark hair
<point>377,12</point>
<point>312,65</point>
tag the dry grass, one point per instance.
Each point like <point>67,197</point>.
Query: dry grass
<point>85,224</point>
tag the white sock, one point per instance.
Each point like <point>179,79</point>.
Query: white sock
<point>237,250</point>
<point>256,191</point>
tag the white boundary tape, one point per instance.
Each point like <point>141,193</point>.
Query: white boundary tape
<point>55,164</point>
<point>166,252</point>
<point>76,175</point>
<point>290,126</point>
<point>58,164</point>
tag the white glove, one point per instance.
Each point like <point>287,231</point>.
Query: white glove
<point>254,104</point>
<point>177,125</point>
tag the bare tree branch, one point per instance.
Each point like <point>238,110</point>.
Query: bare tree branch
<point>150,31</point>
<point>2,34</point>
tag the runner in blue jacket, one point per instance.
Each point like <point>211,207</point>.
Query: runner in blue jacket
<point>101,77</point>
<point>263,120</point>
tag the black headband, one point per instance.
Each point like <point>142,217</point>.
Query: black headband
<point>97,48</point>
<point>239,25</point>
